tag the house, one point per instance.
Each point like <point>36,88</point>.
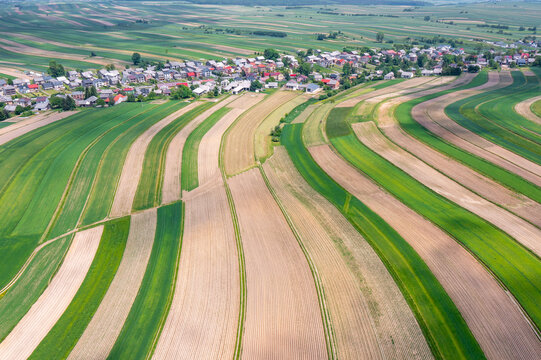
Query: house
<point>271,85</point>
<point>10,108</point>
<point>332,83</point>
<point>77,95</point>
<point>9,90</point>
<point>292,85</point>
<point>33,87</point>
<point>426,72</point>
<point>389,76</point>
<point>42,106</point>
<point>312,88</point>
<point>406,75</point>
<point>201,90</point>
<point>119,99</point>
<point>6,99</point>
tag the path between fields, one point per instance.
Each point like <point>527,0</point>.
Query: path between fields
<point>101,333</point>
<point>523,108</point>
<point>485,187</point>
<point>494,318</point>
<point>431,115</point>
<point>50,306</point>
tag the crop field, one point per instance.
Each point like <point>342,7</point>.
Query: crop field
<point>387,219</point>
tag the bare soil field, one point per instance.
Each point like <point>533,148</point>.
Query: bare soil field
<point>369,315</point>
<point>523,108</point>
<point>239,142</point>
<point>431,114</point>
<point>485,187</point>
<point>14,72</point>
<point>42,316</point>
<point>171,190</point>
<point>524,232</point>
<point>202,321</point>
<point>133,166</point>
<point>34,122</point>
<point>492,315</point>
<point>209,148</point>
<point>283,318</point>
<point>102,331</point>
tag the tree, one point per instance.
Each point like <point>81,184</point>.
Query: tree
<point>305,68</point>
<point>55,69</point>
<point>19,110</point>
<point>68,103</point>
<point>182,92</point>
<point>427,18</point>
<point>255,85</point>
<point>111,101</point>
<point>100,102</point>
<point>110,67</point>
<point>380,36</point>
<point>286,61</point>
<point>131,98</point>
<point>92,54</point>
<point>271,54</point>
<point>346,69</point>
<point>136,58</point>
<point>216,91</point>
<point>56,102</point>
<point>473,68</point>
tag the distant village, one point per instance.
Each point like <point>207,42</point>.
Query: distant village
<point>312,71</point>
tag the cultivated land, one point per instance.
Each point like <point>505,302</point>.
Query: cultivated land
<point>393,219</point>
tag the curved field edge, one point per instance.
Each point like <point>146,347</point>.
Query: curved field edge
<point>513,264</point>
<point>33,281</point>
<point>148,313</point>
<point>512,181</point>
<point>149,191</point>
<point>442,324</point>
<point>189,179</point>
<point>64,335</point>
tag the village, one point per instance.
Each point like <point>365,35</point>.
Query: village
<point>312,71</point>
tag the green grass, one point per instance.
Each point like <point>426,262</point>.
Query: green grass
<point>508,179</point>
<point>189,179</point>
<point>102,194</point>
<point>149,192</point>
<point>513,264</point>
<point>29,287</point>
<point>337,122</point>
<point>147,316</point>
<point>297,110</point>
<point>445,330</point>
<point>64,335</point>
<point>491,116</point>
<point>536,108</point>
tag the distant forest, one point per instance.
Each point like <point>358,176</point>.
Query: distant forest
<point>293,3</point>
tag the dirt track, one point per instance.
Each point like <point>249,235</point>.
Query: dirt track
<point>522,231</point>
<point>283,318</point>
<point>50,306</point>
<point>32,123</point>
<point>495,320</point>
<point>523,108</point>
<point>431,114</point>
<point>369,315</point>
<point>101,333</point>
<point>485,187</point>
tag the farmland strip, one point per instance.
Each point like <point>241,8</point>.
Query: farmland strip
<point>42,316</point>
<point>431,114</point>
<point>173,160</point>
<point>370,317</point>
<point>35,122</point>
<point>133,165</point>
<point>498,325</point>
<point>149,310</point>
<point>442,324</point>
<point>485,187</point>
<point>522,231</point>
<point>239,142</point>
<point>278,278</point>
<point>102,331</point>
<point>523,108</point>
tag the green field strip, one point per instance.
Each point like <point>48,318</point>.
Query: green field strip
<point>76,195</point>
<point>189,178</point>
<point>29,196</point>
<point>516,267</point>
<point>508,179</point>
<point>103,189</point>
<point>34,280</point>
<point>465,112</point>
<point>4,124</point>
<point>148,313</point>
<point>442,324</point>
<point>536,108</point>
<point>64,335</point>
<point>149,189</point>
